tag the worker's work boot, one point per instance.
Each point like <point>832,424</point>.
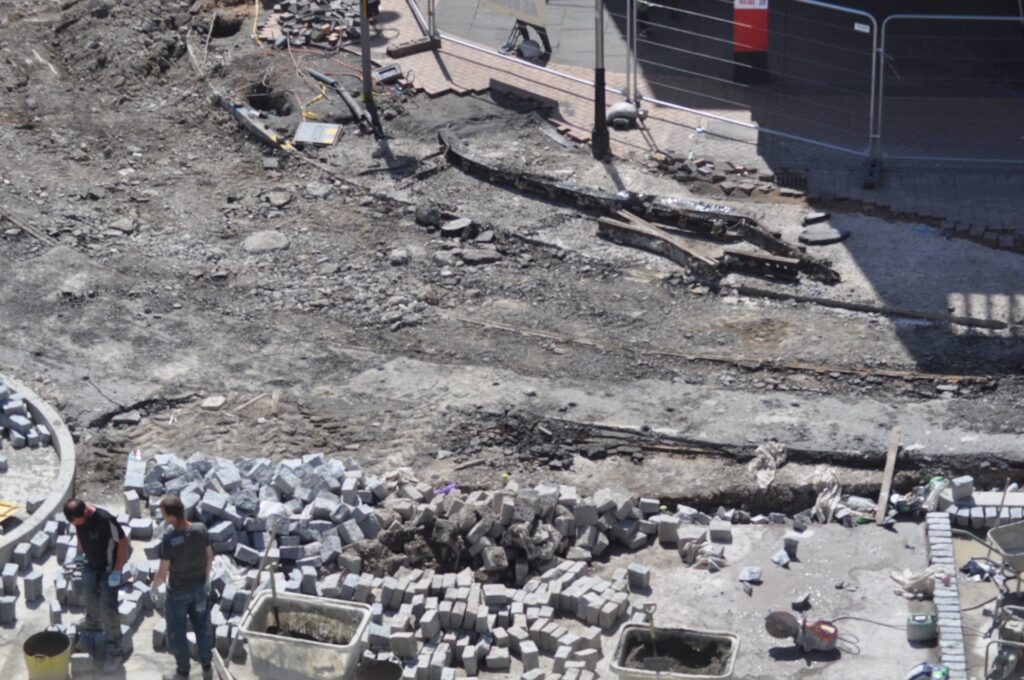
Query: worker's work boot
<point>208,672</point>
<point>112,664</point>
<point>175,675</point>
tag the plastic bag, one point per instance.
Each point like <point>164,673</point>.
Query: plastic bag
<point>767,458</point>
<point>932,491</point>
<point>826,483</point>
<point>921,584</point>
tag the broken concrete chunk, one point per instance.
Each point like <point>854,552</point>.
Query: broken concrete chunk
<point>720,531</point>
<point>267,241</point>
<point>790,543</point>
<point>781,558</point>
<point>398,257</point>
<point>212,403</point>
<point>456,228</point>
<point>427,214</point>
<point>279,198</point>
<point>476,256</point>
<point>815,218</point>
<point>822,234</point>
<point>750,574</point>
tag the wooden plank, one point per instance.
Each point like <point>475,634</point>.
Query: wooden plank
<point>890,469</point>
<point>697,250</point>
<point>7,510</point>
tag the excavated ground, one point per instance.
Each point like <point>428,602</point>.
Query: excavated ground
<point>129,298</point>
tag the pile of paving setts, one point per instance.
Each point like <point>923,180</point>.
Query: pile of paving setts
<point>324,513</point>
<point>317,518</point>
<point>454,579</point>
<point>431,622</point>
<point>17,423</point>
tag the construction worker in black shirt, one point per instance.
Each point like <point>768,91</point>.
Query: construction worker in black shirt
<point>103,549</point>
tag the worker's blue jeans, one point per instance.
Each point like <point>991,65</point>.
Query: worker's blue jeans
<point>101,607</point>
<point>180,607</point>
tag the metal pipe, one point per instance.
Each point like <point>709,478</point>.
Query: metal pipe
<point>633,96</point>
<point>880,59</point>
<point>630,17</point>
<point>364,41</point>
<point>599,140</point>
<point>425,27</point>
<point>364,44</point>
<point>876,55</point>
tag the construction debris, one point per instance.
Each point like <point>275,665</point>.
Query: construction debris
<point>822,234</point>
<point>698,218</point>
<point>767,459</point>
<point>306,23</point>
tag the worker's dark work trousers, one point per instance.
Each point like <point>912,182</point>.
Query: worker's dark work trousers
<point>101,607</point>
<point>180,607</point>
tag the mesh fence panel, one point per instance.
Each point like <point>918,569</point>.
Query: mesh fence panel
<point>952,88</point>
<point>813,82</point>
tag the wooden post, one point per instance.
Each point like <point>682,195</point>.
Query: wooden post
<point>999,515</point>
<point>890,469</point>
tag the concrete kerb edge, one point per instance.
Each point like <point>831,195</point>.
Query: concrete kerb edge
<point>63,487</point>
<point>950,625</point>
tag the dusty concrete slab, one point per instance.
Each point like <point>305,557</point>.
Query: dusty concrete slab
<point>30,472</point>
<point>861,559</point>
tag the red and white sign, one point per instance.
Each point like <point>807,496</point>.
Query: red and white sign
<point>750,25</point>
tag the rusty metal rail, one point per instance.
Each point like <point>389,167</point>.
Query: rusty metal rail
<point>645,237</point>
<point>29,229</point>
<point>706,260</point>
<point>739,362</point>
<point>656,209</point>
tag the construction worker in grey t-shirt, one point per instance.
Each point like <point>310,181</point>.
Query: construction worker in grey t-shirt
<point>185,561</point>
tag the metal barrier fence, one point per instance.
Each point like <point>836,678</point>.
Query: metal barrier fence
<point>937,87</point>
<point>810,78</point>
<point>569,30</point>
<point>952,88</point>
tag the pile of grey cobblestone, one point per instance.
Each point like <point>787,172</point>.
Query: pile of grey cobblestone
<point>453,578</point>
<point>334,531</point>
<point>17,423</point>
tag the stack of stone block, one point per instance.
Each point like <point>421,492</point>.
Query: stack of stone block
<point>947,596</point>
<point>313,515</point>
<point>17,423</point>
<point>427,622</point>
<point>319,510</point>
<point>522,554</point>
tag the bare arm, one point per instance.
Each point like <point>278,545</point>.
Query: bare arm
<point>161,574</point>
<point>122,553</point>
<point>209,561</point>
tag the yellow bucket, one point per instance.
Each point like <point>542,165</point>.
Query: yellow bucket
<point>47,656</point>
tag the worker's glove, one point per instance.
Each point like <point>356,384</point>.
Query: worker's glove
<point>114,579</point>
<point>156,597</point>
